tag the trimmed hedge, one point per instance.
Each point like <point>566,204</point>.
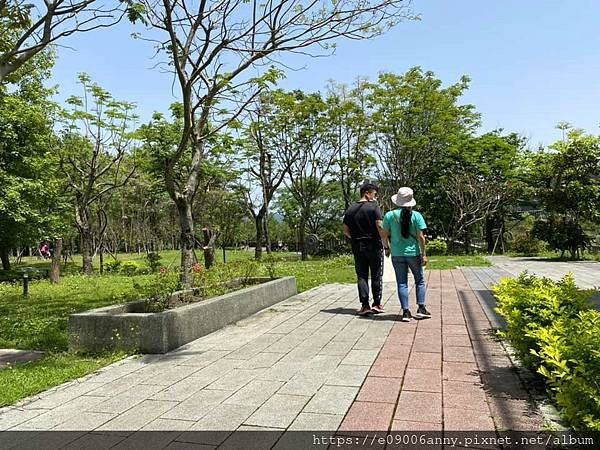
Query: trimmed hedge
<point>555,332</point>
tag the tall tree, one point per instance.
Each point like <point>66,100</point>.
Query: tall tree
<point>212,46</point>
<point>270,149</point>
<point>351,137</point>
<point>29,182</point>
<point>417,121</point>
<point>94,145</point>
<point>311,168</point>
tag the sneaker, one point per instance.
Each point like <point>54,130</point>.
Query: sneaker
<point>422,312</point>
<point>376,309</point>
<point>364,311</point>
<point>406,315</point>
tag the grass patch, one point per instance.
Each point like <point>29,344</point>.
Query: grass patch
<point>31,378</point>
<point>454,261</point>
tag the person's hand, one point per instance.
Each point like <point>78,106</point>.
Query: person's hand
<point>424,260</point>
<point>387,251</point>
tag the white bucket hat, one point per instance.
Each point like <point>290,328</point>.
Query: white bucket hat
<point>404,197</point>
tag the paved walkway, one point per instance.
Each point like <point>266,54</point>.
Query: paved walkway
<point>308,363</point>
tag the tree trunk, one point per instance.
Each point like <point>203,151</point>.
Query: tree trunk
<point>209,247</point>
<point>258,223</point>
<point>301,238</point>
<point>267,234</point>
<point>187,238</point>
<point>490,239</point>
<point>55,267</point>
<point>4,256</point>
<point>87,249</point>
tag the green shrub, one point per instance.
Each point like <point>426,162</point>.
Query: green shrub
<point>529,303</point>
<point>153,260</point>
<point>437,247</point>
<point>555,332</point>
<point>130,268</point>
<point>527,244</point>
<point>158,289</point>
<point>571,365</point>
<point>113,266</point>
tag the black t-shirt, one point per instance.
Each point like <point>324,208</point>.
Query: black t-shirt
<point>360,217</point>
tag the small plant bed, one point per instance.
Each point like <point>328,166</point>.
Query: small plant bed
<point>556,333</point>
<point>141,326</point>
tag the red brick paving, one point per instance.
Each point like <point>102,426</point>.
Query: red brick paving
<point>442,374</point>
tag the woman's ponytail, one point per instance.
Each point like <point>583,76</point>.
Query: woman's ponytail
<point>405,216</point>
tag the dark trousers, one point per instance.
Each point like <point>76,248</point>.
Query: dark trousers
<point>368,256</point>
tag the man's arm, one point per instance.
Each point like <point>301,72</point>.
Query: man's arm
<point>346,231</point>
<point>385,237</point>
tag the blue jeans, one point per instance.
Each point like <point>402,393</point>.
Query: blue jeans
<point>401,265</point>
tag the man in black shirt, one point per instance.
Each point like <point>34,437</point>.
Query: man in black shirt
<point>361,222</point>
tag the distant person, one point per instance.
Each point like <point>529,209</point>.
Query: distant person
<point>361,223</point>
<point>45,251</point>
<point>402,234</point>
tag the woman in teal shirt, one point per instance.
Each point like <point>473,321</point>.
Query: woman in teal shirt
<point>402,234</point>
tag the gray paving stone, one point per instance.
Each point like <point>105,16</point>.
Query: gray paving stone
<point>170,375</point>
<point>138,416</point>
<point>122,402</point>
<point>279,411</point>
<point>337,348</point>
<point>316,422</point>
<point>205,358</point>
<point>282,371</point>
<point>254,393</point>
<point>332,400</point>
<point>235,379</point>
<point>59,397</point>
<point>10,417</point>
<point>361,357</point>
<point>185,388</point>
<point>348,375</point>
<point>197,406</point>
<point>302,385</point>
<point>262,360</point>
<point>162,424</point>
<point>84,422</point>
<point>67,411</point>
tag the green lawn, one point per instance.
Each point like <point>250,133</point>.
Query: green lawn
<point>39,322</point>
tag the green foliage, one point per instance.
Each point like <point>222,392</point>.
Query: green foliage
<point>153,260</point>
<point>529,303</point>
<point>270,263</point>
<point>437,247</point>
<point>570,362</point>
<point>158,289</point>
<point>130,268</point>
<point>113,266</point>
<point>562,234</point>
<point>527,244</point>
<point>555,332</point>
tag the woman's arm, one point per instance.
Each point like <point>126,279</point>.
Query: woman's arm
<point>421,240</point>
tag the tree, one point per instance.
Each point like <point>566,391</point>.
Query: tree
<point>210,45</point>
<point>568,184</point>
<point>416,122</point>
<point>29,182</point>
<point>270,149</point>
<point>26,29</point>
<point>94,146</point>
<point>494,160</point>
<point>351,137</point>
<point>311,168</point>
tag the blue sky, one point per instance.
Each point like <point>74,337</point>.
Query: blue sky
<point>532,63</point>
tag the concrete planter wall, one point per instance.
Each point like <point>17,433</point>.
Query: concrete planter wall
<point>120,327</point>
